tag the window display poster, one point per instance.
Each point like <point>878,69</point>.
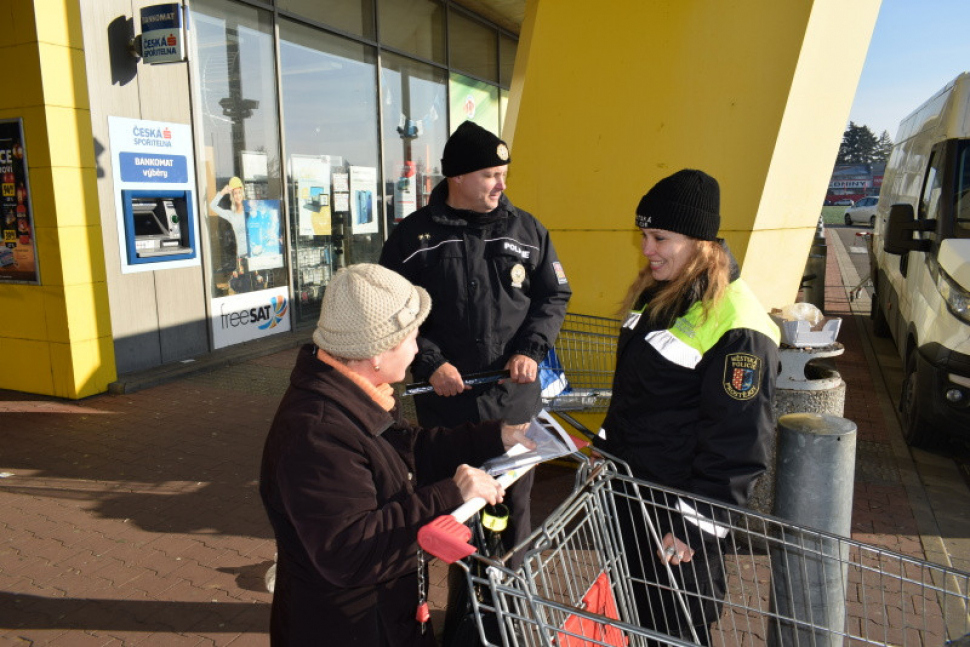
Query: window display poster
<point>264,235</point>
<point>341,195</point>
<point>251,315</point>
<point>475,101</point>
<point>363,200</point>
<point>312,176</point>
<point>405,192</point>
<point>255,166</point>
<point>18,252</point>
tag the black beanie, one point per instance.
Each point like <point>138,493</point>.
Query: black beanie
<point>687,202</point>
<point>471,148</point>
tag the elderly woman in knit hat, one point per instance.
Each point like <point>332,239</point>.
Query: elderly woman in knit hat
<point>347,483</point>
<point>697,359</point>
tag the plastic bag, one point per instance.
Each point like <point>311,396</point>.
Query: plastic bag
<point>802,312</point>
<point>551,441</point>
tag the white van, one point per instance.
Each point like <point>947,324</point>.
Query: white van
<point>921,264</point>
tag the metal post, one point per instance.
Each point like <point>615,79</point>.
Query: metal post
<point>814,282</point>
<point>816,473</point>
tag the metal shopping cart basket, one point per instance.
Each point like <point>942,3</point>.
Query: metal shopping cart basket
<point>577,375</point>
<point>598,553</point>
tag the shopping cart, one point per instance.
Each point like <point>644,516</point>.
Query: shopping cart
<point>577,375</point>
<point>785,584</point>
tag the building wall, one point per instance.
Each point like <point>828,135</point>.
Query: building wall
<point>156,316</point>
<point>604,104</point>
<point>55,338</point>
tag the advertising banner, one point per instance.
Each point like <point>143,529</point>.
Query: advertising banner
<point>153,158</point>
<point>251,315</point>
<point>849,184</point>
<point>18,252</point>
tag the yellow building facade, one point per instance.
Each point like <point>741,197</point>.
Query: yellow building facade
<point>55,337</point>
<point>605,103</point>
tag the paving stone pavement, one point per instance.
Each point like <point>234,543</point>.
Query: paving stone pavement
<point>134,518</point>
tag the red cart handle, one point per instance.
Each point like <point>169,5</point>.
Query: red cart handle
<point>447,536</point>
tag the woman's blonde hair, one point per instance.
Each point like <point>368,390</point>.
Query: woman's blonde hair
<point>704,278</point>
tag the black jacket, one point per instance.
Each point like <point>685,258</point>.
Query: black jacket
<point>692,405</point>
<point>483,311</point>
<point>346,486</point>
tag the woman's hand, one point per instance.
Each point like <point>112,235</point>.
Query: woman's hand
<point>475,483</point>
<point>675,552</point>
<point>447,381</point>
<point>512,435</point>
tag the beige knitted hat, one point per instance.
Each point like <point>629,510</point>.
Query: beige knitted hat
<point>368,309</point>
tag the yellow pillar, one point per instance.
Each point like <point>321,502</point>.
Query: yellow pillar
<point>55,338</point>
<point>609,98</point>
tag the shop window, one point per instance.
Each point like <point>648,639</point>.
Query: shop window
<point>236,77</point>
<point>331,138</point>
<point>352,16</point>
<point>473,100</point>
<point>415,130</point>
<point>473,46</point>
<point>414,26</point>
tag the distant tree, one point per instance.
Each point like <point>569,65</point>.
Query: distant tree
<point>883,148</point>
<point>858,145</point>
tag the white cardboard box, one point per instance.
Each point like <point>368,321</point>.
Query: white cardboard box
<point>801,334</point>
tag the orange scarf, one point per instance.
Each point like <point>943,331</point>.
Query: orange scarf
<point>382,394</point>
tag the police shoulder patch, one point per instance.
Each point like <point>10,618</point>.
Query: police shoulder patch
<point>742,375</point>
<point>560,273</point>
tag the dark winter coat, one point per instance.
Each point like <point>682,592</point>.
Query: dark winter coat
<point>498,290</point>
<point>346,486</point>
<point>691,405</point>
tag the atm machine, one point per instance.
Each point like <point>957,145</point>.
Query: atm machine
<point>159,226</point>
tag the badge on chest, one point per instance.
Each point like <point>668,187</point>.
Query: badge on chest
<point>517,275</point>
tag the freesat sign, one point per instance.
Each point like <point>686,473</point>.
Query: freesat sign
<point>251,315</point>
<point>162,39</point>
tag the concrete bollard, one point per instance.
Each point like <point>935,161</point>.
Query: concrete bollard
<point>815,478</point>
<point>806,384</point>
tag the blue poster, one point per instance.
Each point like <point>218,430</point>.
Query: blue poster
<point>264,232</point>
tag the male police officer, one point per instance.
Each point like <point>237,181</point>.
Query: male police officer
<point>498,291</point>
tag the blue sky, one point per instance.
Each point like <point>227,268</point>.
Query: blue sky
<point>917,47</point>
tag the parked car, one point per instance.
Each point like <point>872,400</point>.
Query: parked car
<point>844,202</point>
<point>863,212</point>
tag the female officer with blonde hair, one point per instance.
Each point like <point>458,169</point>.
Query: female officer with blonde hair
<point>697,359</point>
